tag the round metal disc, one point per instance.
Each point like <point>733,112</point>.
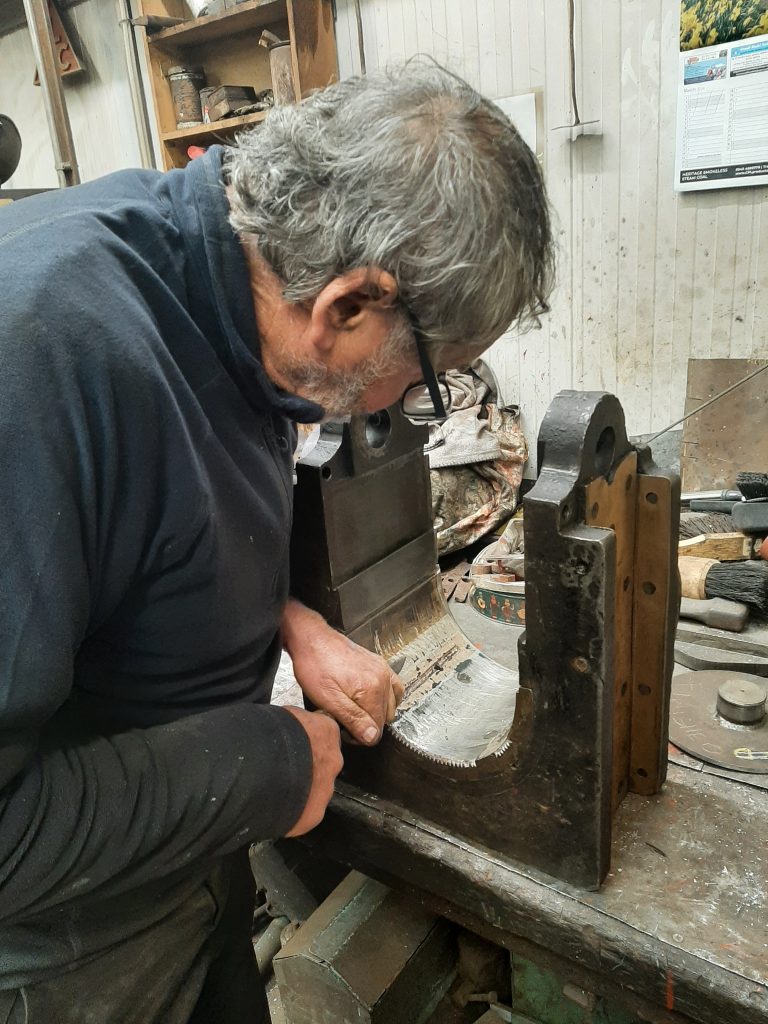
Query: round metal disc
<point>696,727</point>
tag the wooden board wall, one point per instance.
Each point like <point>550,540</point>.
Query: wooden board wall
<point>647,277</point>
<point>98,99</point>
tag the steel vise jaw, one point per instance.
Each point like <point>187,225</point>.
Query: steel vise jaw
<point>530,765</point>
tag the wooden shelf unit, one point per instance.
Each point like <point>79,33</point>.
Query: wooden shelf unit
<point>207,134</point>
<point>243,18</point>
<point>226,45</point>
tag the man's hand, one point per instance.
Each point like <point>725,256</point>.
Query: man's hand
<point>327,762</point>
<point>358,688</point>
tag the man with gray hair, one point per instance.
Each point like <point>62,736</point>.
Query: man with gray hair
<point>162,334</point>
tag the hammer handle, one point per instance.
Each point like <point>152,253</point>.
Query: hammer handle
<point>716,612</point>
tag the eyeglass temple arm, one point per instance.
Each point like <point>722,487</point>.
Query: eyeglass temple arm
<point>430,378</point>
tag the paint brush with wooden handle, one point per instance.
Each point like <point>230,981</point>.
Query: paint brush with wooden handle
<point>701,578</point>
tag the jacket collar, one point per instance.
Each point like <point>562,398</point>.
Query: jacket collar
<point>202,213</point>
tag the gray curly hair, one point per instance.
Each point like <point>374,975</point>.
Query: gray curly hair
<point>412,171</point>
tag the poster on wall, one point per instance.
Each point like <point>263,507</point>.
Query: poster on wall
<point>722,109</point>
<point>706,22</point>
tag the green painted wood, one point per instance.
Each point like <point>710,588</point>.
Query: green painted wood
<point>538,996</point>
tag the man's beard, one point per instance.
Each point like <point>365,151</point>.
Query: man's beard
<point>340,392</point>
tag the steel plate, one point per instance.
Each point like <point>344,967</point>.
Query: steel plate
<point>696,727</point>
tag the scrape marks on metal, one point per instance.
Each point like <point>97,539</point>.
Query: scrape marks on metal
<point>459,705</point>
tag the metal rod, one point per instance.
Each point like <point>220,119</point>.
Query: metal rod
<point>135,84</point>
<point>268,944</point>
<point>709,401</point>
<point>572,44</point>
<point>360,37</point>
<point>39,22</point>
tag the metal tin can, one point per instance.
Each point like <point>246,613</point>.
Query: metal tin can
<point>503,606</point>
<point>205,95</point>
<point>185,89</point>
<point>281,71</point>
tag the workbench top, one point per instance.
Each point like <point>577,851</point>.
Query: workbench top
<point>681,921</point>
<point>679,929</point>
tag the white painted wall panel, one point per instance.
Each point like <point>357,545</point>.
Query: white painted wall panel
<point>98,101</point>
<point>23,103</point>
<point>647,277</point>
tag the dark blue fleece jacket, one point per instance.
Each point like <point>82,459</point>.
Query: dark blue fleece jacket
<point>145,511</point>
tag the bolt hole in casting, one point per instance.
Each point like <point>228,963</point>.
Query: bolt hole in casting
<point>378,427</point>
<point>604,453</point>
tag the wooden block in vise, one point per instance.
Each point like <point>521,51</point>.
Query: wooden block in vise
<point>611,503</point>
<point>657,600</point>
<point>640,508</point>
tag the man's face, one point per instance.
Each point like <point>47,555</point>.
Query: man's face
<point>351,349</point>
<point>374,376</point>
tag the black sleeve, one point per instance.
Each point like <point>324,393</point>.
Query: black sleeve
<point>112,812</point>
<point>115,813</point>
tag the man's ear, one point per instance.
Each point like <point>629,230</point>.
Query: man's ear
<point>347,300</point>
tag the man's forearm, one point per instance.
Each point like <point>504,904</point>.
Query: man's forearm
<point>300,624</point>
<point>114,813</point>
<point>352,684</point>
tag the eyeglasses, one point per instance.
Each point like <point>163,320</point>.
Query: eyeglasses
<point>429,401</point>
